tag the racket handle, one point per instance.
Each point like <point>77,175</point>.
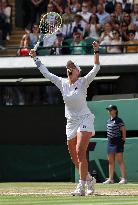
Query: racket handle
<point>37,45</point>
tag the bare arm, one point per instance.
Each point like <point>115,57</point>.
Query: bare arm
<point>123,130</point>
<point>91,75</point>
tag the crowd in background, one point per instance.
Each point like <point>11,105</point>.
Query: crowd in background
<point>111,22</point>
<point>5,22</point>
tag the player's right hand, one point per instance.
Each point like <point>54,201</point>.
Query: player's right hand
<point>32,53</point>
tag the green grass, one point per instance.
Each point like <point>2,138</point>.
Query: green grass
<point>59,194</point>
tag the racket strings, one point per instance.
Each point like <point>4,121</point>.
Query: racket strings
<point>50,24</point>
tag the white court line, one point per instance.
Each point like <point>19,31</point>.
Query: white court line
<point>109,203</point>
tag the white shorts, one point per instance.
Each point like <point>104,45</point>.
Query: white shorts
<point>83,123</point>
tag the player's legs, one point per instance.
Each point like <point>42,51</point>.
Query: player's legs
<point>72,143</point>
<point>72,151</point>
<point>119,158</point>
<point>81,149</point>
<point>111,159</point>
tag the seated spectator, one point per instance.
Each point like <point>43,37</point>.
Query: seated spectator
<point>33,36</point>
<point>60,47</point>
<point>93,27</point>
<point>85,12</point>
<point>119,12</point>
<point>131,46</point>
<point>134,15</point>
<point>74,6</point>
<point>77,47</point>
<point>127,20</point>
<point>24,50</point>
<point>113,19</point>
<point>78,25</point>
<point>126,5</point>
<point>106,35</point>
<point>124,31</point>
<point>28,41</point>
<point>103,16</point>
<point>66,28</point>
<point>116,42</point>
<point>7,9</point>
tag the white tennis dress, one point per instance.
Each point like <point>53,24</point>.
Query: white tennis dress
<point>79,116</point>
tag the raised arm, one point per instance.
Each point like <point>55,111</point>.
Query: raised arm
<point>53,78</point>
<point>91,75</point>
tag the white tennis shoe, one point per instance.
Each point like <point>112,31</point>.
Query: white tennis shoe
<point>80,190</point>
<point>109,181</point>
<point>123,181</point>
<point>90,186</point>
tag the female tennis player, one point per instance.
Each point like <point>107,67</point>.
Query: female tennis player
<point>79,128</point>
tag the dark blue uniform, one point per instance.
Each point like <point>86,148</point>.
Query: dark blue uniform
<point>115,141</point>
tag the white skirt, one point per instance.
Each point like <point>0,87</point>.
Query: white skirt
<point>83,123</point>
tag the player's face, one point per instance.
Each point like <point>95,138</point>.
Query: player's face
<point>72,71</point>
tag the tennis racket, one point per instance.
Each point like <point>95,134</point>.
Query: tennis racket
<point>49,24</point>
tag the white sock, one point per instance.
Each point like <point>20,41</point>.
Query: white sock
<point>89,177</point>
<point>82,182</point>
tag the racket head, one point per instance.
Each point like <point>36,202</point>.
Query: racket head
<point>50,23</point>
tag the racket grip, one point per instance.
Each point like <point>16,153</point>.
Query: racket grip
<point>37,45</point>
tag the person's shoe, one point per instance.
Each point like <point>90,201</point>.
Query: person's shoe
<point>109,181</point>
<point>90,186</point>
<point>123,181</point>
<point>80,190</point>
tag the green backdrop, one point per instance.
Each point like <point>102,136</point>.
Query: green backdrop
<point>35,163</point>
<point>98,160</point>
<point>128,111</point>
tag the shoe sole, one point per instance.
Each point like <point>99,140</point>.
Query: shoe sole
<point>78,194</point>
